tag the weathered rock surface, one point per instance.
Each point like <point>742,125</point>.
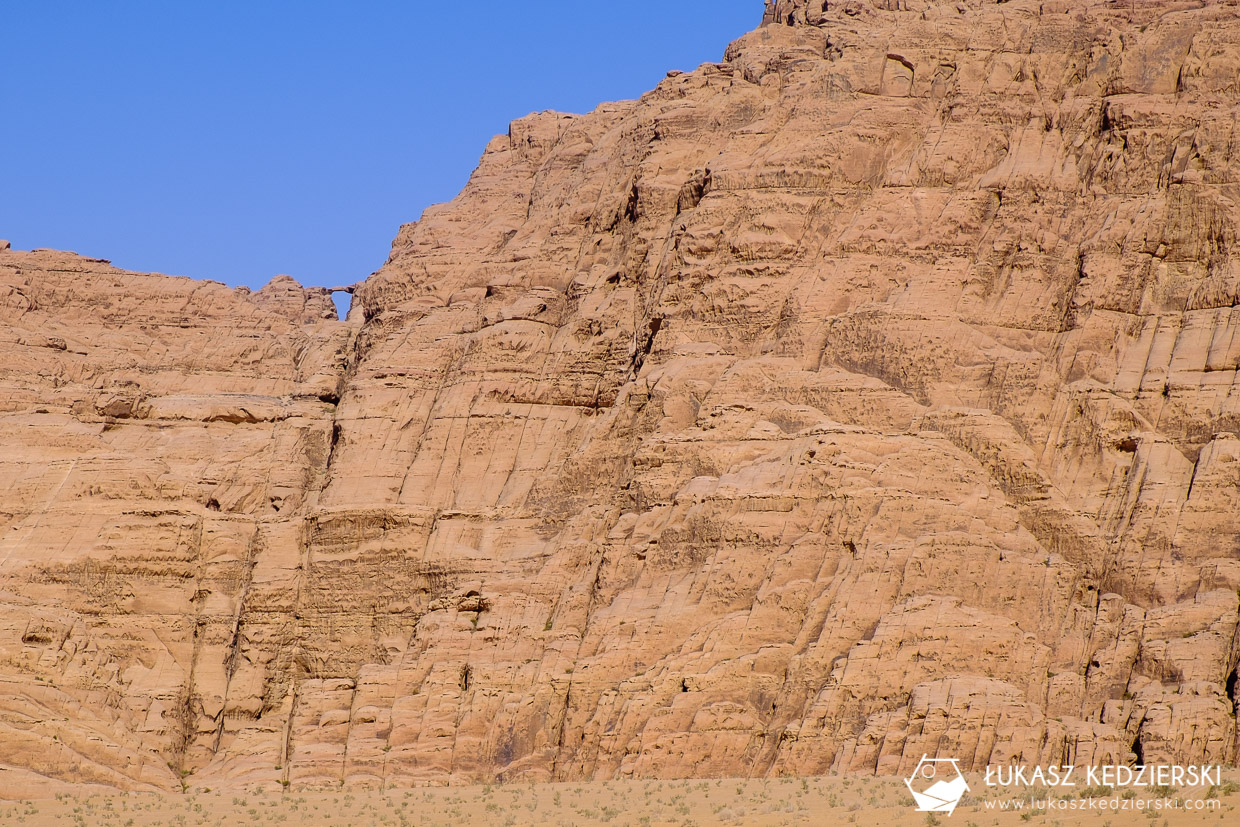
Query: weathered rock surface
<point>156,431</point>
<point>871,393</point>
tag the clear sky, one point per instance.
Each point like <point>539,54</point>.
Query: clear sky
<point>236,140</point>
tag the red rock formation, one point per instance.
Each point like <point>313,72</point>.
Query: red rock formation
<point>871,393</point>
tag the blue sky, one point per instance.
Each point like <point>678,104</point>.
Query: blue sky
<point>237,140</point>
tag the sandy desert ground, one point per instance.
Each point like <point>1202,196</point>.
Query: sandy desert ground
<point>784,801</point>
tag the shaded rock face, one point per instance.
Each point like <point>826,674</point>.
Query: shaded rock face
<point>871,393</point>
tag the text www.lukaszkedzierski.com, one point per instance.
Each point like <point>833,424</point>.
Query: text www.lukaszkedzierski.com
<point>1115,803</point>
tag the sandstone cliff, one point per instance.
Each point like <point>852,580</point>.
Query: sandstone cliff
<point>870,393</point>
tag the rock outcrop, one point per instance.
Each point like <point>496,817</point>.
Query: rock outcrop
<point>870,393</point>
<point>159,433</point>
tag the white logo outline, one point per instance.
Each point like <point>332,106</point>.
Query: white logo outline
<point>943,795</point>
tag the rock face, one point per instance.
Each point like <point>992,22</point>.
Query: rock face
<point>159,434</point>
<point>871,393</point>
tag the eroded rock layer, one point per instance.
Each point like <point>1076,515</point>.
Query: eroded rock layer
<point>870,393</point>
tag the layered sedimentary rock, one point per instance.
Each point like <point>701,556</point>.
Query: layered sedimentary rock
<point>868,394</point>
<point>158,435</point>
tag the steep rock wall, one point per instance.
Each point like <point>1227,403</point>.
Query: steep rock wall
<point>870,393</point>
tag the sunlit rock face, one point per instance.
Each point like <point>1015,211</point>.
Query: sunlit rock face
<point>868,394</point>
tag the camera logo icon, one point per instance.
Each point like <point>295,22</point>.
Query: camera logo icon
<point>937,785</point>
